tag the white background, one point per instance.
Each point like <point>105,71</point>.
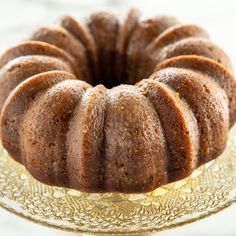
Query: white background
<point>17,17</point>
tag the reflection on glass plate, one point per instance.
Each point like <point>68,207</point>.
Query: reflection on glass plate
<point>208,190</point>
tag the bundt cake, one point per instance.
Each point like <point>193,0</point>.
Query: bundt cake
<point>109,106</point>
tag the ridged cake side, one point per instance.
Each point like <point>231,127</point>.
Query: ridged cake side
<point>171,112</point>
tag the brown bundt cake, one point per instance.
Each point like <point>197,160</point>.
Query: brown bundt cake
<point>110,106</point>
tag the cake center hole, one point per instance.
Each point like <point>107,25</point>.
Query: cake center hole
<point>113,70</point>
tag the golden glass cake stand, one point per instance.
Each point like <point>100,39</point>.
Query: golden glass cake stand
<point>207,191</point>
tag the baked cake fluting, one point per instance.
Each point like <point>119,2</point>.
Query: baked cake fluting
<point>116,106</point>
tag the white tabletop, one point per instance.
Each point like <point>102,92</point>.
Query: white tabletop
<point>17,17</point>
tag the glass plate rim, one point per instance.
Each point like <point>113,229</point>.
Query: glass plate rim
<point>77,230</point>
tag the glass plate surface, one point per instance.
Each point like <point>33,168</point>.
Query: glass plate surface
<point>208,190</point>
